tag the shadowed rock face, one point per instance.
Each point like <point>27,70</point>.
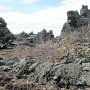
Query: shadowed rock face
<point>44,36</point>
<point>2,22</point>
<point>83,18</point>
<point>77,25</point>
<point>85,12</point>
<point>6,37</point>
<point>73,17</point>
<point>76,20</point>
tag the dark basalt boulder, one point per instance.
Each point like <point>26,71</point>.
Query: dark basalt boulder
<point>78,25</point>
<point>85,12</point>
<point>73,18</point>
<point>6,37</point>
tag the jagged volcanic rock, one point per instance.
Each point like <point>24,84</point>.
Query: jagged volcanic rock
<point>32,39</point>
<point>6,37</point>
<point>77,26</point>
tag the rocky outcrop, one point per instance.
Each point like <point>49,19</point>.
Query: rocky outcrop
<point>6,37</point>
<point>32,39</point>
<point>71,70</point>
<point>76,20</point>
<point>85,12</point>
<point>73,18</point>
<point>44,36</point>
<point>78,25</point>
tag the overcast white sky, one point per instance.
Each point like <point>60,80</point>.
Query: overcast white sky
<point>35,15</point>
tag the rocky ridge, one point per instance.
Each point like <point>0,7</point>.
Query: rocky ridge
<point>8,39</point>
<point>32,39</point>
<point>77,25</point>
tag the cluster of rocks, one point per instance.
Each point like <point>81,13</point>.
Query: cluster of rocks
<point>76,20</point>
<point>8,39</point>
<point>32,39</point>
<point>77,25</point>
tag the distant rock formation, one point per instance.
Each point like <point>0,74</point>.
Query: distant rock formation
<point>76,20</point>
<point>32,39</point>
<point>6,37</point>
<point>44,36</point>
<point>73,18</point>
<point>77,25</point>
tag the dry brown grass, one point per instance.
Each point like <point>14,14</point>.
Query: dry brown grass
<point>48,51</point>
<point>43,51</point>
